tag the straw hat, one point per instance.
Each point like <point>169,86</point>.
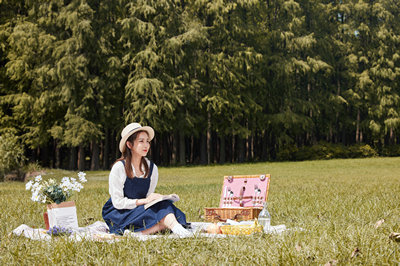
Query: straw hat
<point>129,130</point>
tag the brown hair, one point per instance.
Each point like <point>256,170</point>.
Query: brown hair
<point>127,156</point>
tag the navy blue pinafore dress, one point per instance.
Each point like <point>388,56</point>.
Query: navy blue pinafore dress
<point>138,219</point>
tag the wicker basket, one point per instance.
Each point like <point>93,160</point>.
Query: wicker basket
<point>239,214</point>
<point>242,198</point>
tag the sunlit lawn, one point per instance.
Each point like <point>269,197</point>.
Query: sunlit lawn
<point>336,202</point>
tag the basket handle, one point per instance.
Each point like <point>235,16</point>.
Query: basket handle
<point>218,218</point>
<point>238,216</point>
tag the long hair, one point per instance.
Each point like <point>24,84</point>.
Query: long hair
<point>127,156</point>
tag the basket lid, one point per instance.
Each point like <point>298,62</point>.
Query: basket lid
<point>244,191</point>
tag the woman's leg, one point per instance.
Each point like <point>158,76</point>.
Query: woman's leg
<point>157,228</point>
<point>170,222</point>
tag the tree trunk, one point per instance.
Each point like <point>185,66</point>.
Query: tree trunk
<point>273,149</point>
<point>44,156</point>
<point>95,162</point>
<point>106,150</point>
<point>241,150</point>
<point>182,149</point>
<point>114,150</point>
<point>174,143</point>
<point>36,154</point>
<point>72,159</point>
<point>165,152</point>
<point>344,137</point>
<point>264,147</point>
<point>57,163</point>
<point>191,149</point>
<point>251,147</point>
<point>81,158</point>
<point>112,147</point>
<point>391,136</point>
<point>358,127</point>
<point>247,147</point>
<point>337,113</point>
<point>233,149</point>
<point>155,150</point>
<point>203,149</point>
<point>222,154</point>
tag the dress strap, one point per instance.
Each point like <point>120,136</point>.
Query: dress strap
<point>150,170</point>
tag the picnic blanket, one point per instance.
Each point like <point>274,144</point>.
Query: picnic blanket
<point>98,231</point>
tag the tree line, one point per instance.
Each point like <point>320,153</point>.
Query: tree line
<point>219,81</point>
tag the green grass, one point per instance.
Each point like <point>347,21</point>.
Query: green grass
<point>337,202</point>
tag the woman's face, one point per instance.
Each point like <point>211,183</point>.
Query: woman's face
<point>141,144</point>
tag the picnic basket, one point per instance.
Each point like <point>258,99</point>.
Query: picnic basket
<point>242,198</point>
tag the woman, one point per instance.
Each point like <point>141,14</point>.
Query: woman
<point>132,182</point>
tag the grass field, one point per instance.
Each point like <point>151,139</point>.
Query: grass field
<point>337,202</point>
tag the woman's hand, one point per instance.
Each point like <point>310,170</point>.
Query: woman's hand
<point>153,196</point>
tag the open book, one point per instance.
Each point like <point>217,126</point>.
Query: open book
<point>171,197</point>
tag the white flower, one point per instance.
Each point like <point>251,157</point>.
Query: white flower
<point>35,191</point>
<point>29,185</point>
<point>38,178</point>
<point>35,197</point>
<point>77,186</point>
<point>82,177</point>
<point>44,199</point>
<point>65,182</point>
<point>35,186</point>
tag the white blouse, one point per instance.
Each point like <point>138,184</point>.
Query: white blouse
<point>117,180</point>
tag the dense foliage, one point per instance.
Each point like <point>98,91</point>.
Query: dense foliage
<point>11,155</point>
<point>220,81</point>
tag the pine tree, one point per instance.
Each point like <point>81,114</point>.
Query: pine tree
<point>67,72</point>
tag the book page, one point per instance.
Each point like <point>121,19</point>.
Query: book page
<point>171,197</point>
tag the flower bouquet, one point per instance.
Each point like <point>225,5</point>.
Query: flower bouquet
<point>48,191</point>
<point>60,211</point>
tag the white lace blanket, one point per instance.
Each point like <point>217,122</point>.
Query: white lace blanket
<point>98,231</point>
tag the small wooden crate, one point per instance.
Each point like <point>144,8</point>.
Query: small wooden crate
<point>242,198</point>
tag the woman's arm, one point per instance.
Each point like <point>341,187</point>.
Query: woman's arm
<point>117,180</point>
<point>116,189</point>
<point>116,183</point>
